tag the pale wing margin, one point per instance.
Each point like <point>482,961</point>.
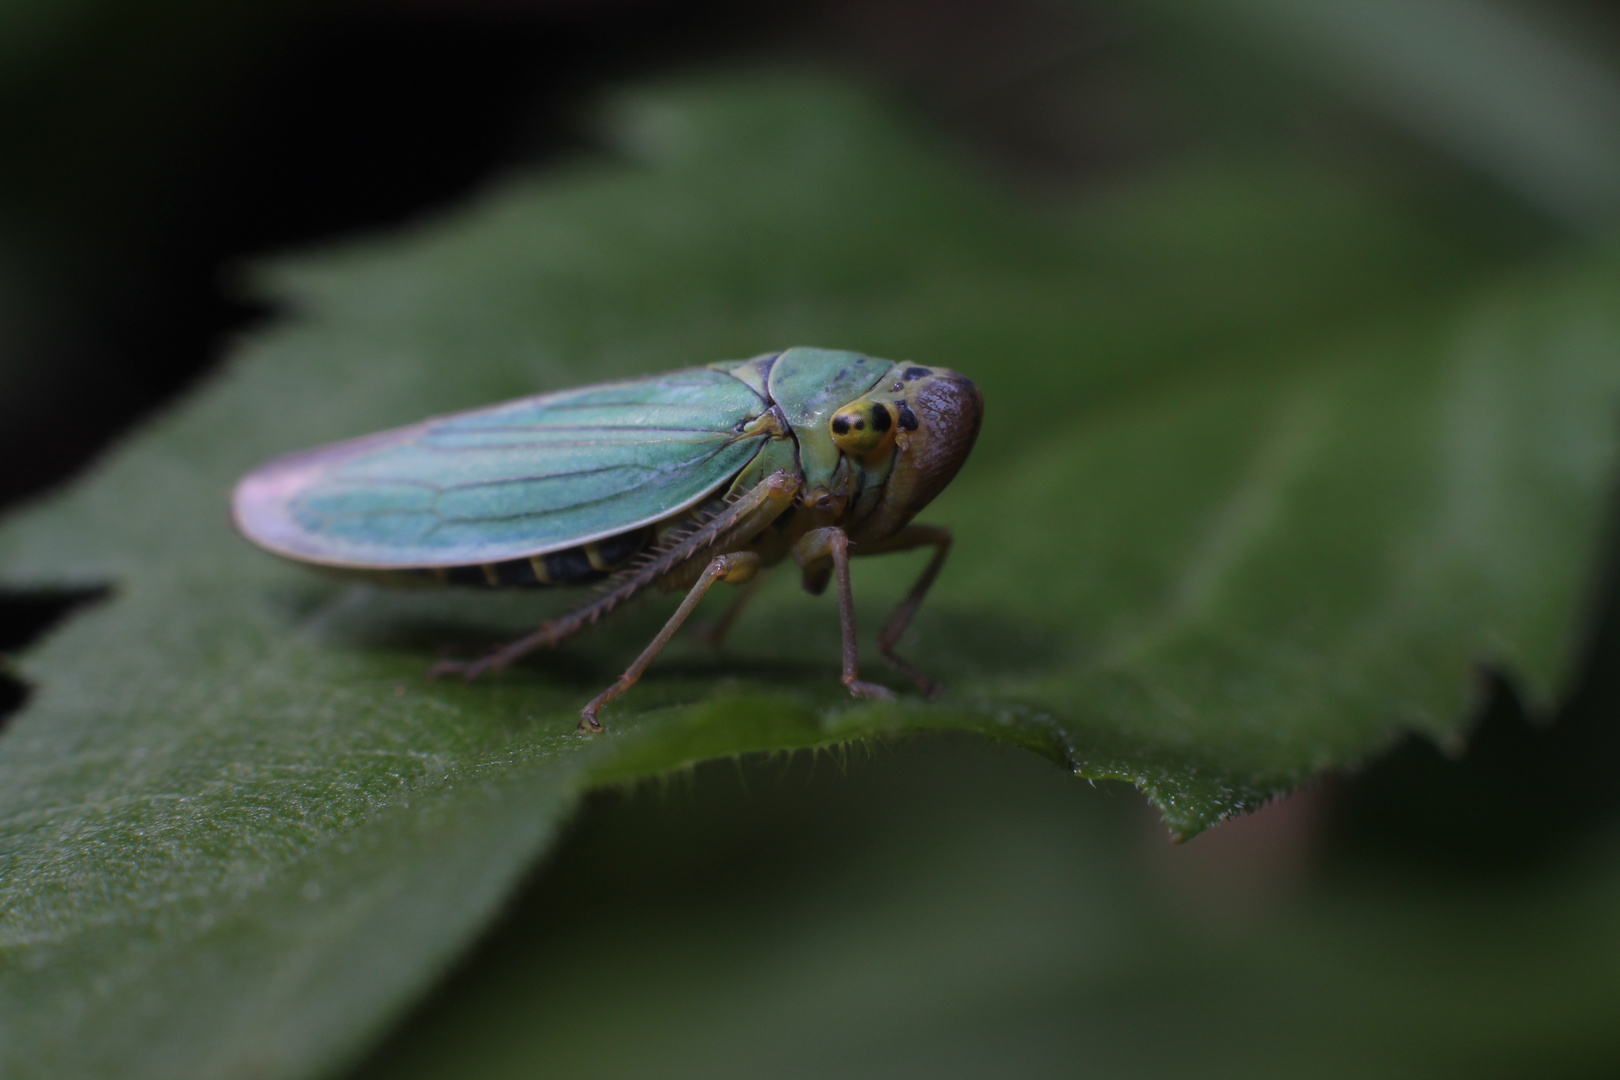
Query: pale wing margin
<point>523,478</point>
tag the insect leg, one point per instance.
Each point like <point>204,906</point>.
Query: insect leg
<point>912,536</point>
<point>737,567</point>
<point>833,543</point>
<point>548,635</point>
<point>762,502</point>
<point>715,633</point>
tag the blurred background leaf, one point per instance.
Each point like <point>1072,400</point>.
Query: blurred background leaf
<point>933,910</point>
<point>1504,88</point>
<point>1339,398</point>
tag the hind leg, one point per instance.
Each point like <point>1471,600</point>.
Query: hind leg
<point>738,567</point>
<point>760,504</point>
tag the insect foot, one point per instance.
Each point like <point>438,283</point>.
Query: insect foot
<point>870,690</point>
<point>467,669</point>
<point>444,668</point>
<point>930,689</point>
<point>587,718</point>
<point>587,715</point>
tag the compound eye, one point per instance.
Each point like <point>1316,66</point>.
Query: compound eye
<point>862,427</point>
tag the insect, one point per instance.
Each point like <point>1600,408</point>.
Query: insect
<point>671,481</point>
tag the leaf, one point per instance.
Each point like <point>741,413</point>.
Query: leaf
<point>936,911</point>
<point>1525,101</point>
<point>1269,468</point>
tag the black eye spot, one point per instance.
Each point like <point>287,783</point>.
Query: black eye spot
<point>908,419</point>
<point>880,417</point>
<point>860,425</point>
<point>840,425</point>
<point>917,373</point>
<point>897,387</point>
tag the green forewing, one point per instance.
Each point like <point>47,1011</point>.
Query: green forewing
<point>513,480</point>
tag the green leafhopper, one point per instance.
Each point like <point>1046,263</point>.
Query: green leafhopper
<point>671,481</point>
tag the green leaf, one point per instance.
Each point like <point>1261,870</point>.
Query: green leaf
<point>1503,87</point>
<point>936,911</point>
<point>1269,468</point>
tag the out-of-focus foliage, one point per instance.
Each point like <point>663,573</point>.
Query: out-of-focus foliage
<point>931,910</point>
<point>1270,465</point>
<point>1507,88</point>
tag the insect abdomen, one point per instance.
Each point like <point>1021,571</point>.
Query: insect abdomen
<point>579,565</point>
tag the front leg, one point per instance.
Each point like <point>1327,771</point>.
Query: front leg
<point>833,543</point>
<point>912,536</point>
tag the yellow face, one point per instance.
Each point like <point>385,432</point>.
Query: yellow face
<point>913,429</point>
<point>865,426</point>
<point>886,417</point>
